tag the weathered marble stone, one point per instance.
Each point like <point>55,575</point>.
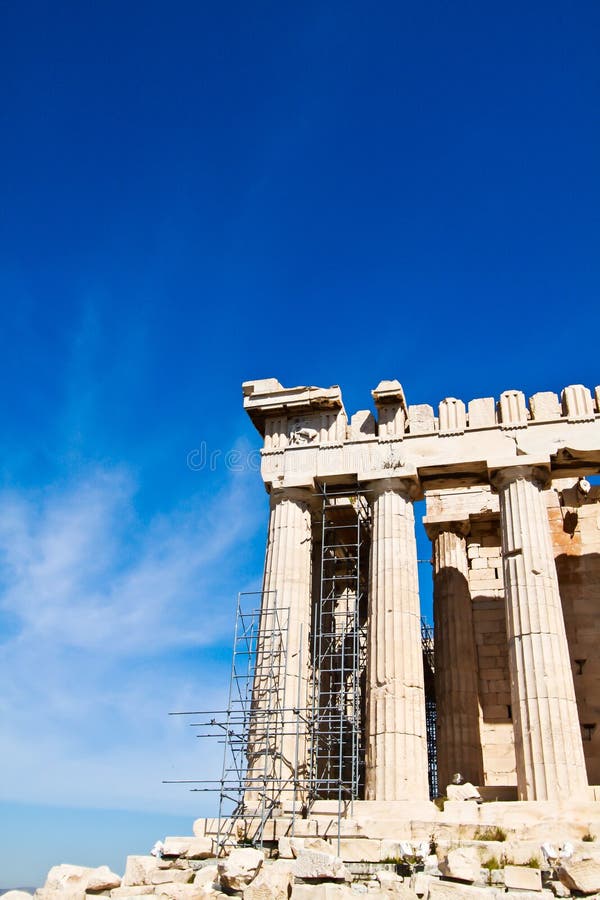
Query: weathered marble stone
<point>239,868</point>
<point>137,870</point>
<point>581,876</point>
<point>273,882</point>
<point>462,863</point>
<point>312,866</point>
<point>522,878</point>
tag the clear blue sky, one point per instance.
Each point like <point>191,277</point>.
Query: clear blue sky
<point>195,194</point>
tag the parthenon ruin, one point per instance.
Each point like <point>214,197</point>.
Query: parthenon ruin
<point>342,691</point>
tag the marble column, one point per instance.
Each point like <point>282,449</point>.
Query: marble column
<point>456,684</point>
<point>277,748</point>
<point>396,764</point>
<point>548,747</point>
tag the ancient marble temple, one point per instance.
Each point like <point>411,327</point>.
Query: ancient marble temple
<point>514,525</point>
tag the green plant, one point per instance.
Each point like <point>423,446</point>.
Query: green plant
<point>533,862</point>
<point>492,833</point>
<point>588,837</point>
<point>491,864</point>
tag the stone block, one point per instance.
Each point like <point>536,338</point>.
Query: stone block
<point>284,847</point>
<point>319,845</point>
<point>453,416</point>
<point>312,866</point>
<point>545,406</point>
<point>420,883</point>
<point>273,882</point>
<point>466,791</point>
<point>363,426</point>
<point>207,874</point>
<point>239,868</point>
<point>513,411</point>
<point>482,412</point>
<point>67,878</point>
<point>462,864</point>
<point>577,403</point>
<point>421,419</point>
<point>176,846</point>
<point>581,876</point>
<point>522,878</point>
<point>360,850</point>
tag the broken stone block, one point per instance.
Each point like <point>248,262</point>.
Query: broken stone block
<point>207,875</point>
<point>421,419</point>
<point>522,878</point>
<point>420,883</point>
<point>69,879</point>
<point>239,868</point>
<point>137,869</point>
<point>581,876</point>
<point>461,863</point>
<point>362,425</point>
<point>285,849</point>
<point>319,845</point>
<point>544,406</point>
<point>273,882</point>
<point>312,866</point>
<point>466,791</point>
<point>176,846</point>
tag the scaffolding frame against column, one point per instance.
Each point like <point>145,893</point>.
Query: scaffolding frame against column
<point>336,756</point>
<point>253,723</point>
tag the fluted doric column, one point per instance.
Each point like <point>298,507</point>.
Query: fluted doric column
<point>456,687</point>
<point>277,749</point>
<point>548,747</point>
<point>396,765</point>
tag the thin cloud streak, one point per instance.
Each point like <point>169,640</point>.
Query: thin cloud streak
<point>115,621</point>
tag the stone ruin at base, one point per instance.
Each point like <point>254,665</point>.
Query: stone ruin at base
<point>349,715</point>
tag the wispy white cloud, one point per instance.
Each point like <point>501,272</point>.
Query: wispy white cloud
<point>113,622</point>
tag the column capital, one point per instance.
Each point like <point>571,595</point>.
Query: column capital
<point>435,525</point>
<point>505,471</point>
<point>407,484</point>
<point>307,495</point>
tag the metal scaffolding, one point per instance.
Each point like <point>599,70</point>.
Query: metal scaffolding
<point>254,723</point>
<point>430,705</point>
<point>339,644</point>
<point>255,785</point>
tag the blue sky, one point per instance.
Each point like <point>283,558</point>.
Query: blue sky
<point>198,194</point>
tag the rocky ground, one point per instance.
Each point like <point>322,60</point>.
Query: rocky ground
<point>186,869</point>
